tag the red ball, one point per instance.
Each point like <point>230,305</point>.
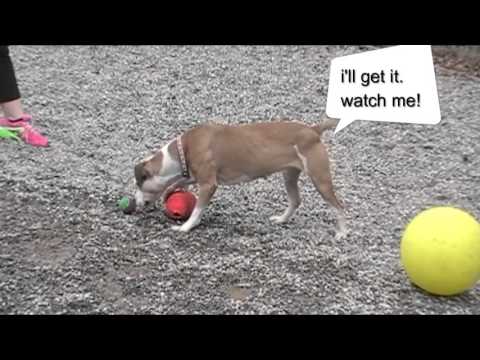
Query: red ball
<point>179,204</point>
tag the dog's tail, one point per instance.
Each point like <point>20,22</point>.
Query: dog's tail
<point>326,124</point>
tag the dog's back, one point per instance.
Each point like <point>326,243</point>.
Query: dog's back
<point>248,151</point>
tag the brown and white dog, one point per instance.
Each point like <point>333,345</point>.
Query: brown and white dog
<point>210,155</point>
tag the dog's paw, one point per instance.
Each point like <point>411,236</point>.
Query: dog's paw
<point>278,219</point>
<point>340,235</point>
<point>176,227</point>
<point>180,228</point>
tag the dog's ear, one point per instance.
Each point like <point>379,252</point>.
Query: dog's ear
<point>154,164</point>
<point>142,173</point>
<point>148,168</point>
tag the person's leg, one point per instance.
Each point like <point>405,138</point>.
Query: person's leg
<point>12,109</point>
<point>10,101</point>
<point>11,105</point>
<point>9,92</point>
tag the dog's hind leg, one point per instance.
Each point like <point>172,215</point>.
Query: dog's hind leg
<point>290,177</point>
<point>317,166</point>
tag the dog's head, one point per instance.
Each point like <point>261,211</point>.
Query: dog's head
<point>154,174</point>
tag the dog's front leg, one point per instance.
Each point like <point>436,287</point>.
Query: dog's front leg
<point>205,193</point>
<point>182,183</point>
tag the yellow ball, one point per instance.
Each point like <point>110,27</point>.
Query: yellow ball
<point>440,251</point>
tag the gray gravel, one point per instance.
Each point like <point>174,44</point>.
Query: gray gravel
<point>65,248</point>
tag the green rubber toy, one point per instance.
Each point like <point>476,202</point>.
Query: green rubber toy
<point>123,202</point>
<point>128,206</point>
<point>10,133</point>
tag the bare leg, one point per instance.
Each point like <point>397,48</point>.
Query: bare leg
<point>290,177</point>
<point>9,95</point>
<point>12,109</point>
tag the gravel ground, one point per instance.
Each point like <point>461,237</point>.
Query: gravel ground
<point>65,248</point>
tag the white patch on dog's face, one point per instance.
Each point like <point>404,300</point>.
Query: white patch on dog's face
<point>170,168</point>
<point>143,198</point>
<point>139,199</point>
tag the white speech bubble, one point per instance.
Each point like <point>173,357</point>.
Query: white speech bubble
<point>409,97</point>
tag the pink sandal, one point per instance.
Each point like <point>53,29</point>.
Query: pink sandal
<point>33,137</point>
<point>21,122</point>
<point>28,134</point>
